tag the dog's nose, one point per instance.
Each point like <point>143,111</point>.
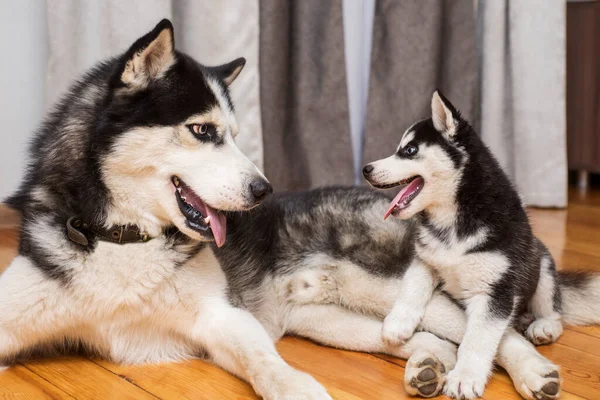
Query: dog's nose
<point>260,189</point>
<point>367,169</point>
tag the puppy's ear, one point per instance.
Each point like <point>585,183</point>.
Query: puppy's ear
<point>228,72</point>
<point>445,117</point>
<point>149,57</point>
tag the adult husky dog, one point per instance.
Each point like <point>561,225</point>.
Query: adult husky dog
<point>472,229</point>
<point>130,180</point>
<point>131,175</point>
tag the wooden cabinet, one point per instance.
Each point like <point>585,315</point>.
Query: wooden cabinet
<point>583,87</point>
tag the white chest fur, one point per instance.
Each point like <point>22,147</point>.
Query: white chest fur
<point>464,271</point>
<point>139,277</point>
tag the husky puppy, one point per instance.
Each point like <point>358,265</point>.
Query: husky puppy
<point>472,229</point>
<point>324,265</point>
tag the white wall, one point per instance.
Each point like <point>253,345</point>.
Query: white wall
<point>23,40</point>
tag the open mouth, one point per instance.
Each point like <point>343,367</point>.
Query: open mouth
<point>200,217</point>
<point>414,185</point>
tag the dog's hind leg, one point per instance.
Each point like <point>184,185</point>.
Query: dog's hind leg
<point>28,314</point>
<point>429,358</point>
<point>545,304</point>
<point>534,376</point>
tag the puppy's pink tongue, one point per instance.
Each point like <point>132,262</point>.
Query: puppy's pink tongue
<point>218,225</point>
<point>405,196</point>
<point>395,202</point>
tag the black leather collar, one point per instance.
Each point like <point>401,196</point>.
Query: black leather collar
<point>78,231</point>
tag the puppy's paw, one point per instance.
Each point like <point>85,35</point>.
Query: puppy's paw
<point>465,383</point>
<point>424,375</point>
<point>399,326</point>
<point>544,331</point>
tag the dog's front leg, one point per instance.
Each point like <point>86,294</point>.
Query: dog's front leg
<point>31,310</point>
<point>478,349</point>
<point>237,342</point>
<point>416,289</point>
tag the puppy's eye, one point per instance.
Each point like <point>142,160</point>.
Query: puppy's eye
<point>411,150</point>
<point>201,130</point>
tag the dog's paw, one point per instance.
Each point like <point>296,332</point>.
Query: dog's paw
<point>315,286</point>
<point>544,331</point>
<point>399,326</point>
<point>295,385</point>
<point>465,383</point>
<point>424,375</point>
<point>539,380</point>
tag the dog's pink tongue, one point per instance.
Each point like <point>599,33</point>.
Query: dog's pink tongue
<point>406,190</point>
<point>218,225</point>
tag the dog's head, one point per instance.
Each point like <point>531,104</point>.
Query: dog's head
<point>428,161</point>
<point>169,128</point>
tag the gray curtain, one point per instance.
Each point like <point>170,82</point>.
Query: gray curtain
<point>523,94</point>
<point>303,94</point>
<point>292,101</point>
<point>418,46</point>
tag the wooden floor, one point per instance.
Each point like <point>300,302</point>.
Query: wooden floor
<point>573,236</point>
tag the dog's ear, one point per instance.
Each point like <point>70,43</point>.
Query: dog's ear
<point>149,57</point>
<point>445,117</point>
<point>228,72</point>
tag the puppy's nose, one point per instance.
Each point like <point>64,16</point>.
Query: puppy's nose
<point>260,189</point>
<point>367,169</point>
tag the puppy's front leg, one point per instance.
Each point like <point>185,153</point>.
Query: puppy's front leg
<point>415,291</point>
<point>237,342</point>
<point>478,349</point>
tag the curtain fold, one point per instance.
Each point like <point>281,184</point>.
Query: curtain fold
<point>303,94</point>
<point>83,32</point>
<point>523,94</point>
<point>418,46</point>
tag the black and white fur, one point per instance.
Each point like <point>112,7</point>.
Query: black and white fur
<point>473,231</point>
<point>312,264</point>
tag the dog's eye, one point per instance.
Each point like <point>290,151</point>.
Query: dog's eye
<point>201,130</point>
<point>411,150</point>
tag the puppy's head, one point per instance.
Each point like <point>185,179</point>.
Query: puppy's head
<point>427,162</point>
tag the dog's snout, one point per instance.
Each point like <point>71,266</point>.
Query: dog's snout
<point>367,169</point>
<point>260,189</point>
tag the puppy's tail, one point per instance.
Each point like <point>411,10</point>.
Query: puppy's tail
<point>580,297</point>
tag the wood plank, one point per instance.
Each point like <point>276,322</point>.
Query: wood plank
<point>588,330</point>
<point>580,340</point>
<point>191,379</point>
<point>18,382</point>
<point>82,378</point>
<point>345,374</point>
<point>8,217</point>
<point>580,370</point>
